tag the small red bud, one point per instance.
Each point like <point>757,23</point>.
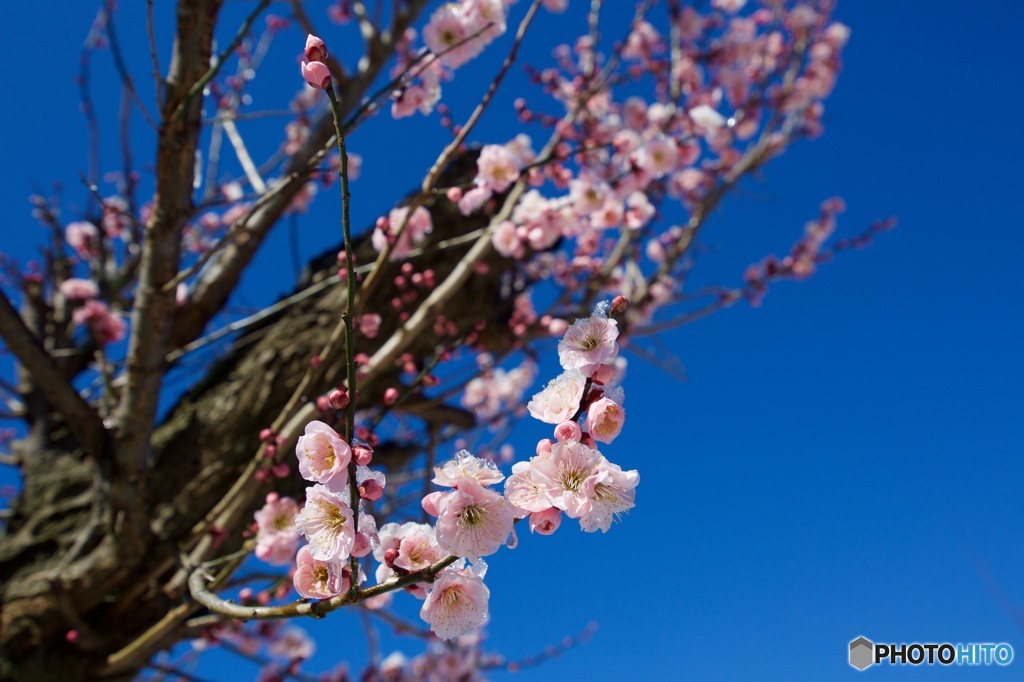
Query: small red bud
<point>370,490</point>
<point>338,399</point>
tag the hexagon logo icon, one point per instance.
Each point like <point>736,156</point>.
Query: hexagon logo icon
<point>862,653</point>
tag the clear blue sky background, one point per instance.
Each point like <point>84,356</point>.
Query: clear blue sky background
<point>843,461</point>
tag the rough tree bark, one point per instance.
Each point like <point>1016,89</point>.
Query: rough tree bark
<point>60,569</point>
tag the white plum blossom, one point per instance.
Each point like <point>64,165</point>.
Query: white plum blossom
<point>560,399</point>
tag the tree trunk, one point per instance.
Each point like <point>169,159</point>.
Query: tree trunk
<point>60,570</point>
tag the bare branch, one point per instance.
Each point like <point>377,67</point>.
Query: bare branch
<point>81,419</point>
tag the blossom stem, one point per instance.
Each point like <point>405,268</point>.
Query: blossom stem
<point>350,336</point>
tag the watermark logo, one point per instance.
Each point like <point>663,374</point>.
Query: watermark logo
<point>864,653</point>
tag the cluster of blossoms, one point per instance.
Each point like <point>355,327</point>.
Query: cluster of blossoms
<point>326,520</point>
<point>105,324</point>
<point>733,88</point>
<point>496,390</point>
<point>569,474</point>
<point>473,520</point>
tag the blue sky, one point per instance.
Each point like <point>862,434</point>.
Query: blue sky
<point>843,461</point>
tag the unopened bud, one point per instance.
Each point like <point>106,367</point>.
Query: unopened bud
<point>316,50</point>
<point>370,490</point>
<point>338,399</point>
<point>362,454</point>
<point>317,74</point>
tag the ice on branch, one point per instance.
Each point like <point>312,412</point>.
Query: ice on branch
<point>465,466</point>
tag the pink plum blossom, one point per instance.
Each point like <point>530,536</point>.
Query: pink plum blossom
<point>276,535</point>
<point>106,325</point>
<point>418,227</point>
<point>560,399</point>
<point>497,168</point>
<point>527,492</point>
<point>473,521</point>
<point>84,238</point>
<point>406,547</point>
<point>474,199</point>
<point>315,578</point>
<point>611,492</point>
<point>605,418</point>
<point>369,324</point>
<point>327,522</point>
<point>456,604</point>
<point>75,289</point>
<point>564,473</point>
<point>447,33</point>
<point>706,118</point>
<point>292,643</point>
<point>323,456</point>
<point>658,157</point>
<point>589,342</point>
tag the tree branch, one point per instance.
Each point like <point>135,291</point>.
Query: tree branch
<point>81,419</point>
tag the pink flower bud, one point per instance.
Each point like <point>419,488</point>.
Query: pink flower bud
<point>362,454</point>
<point>71,636</point>
<point>316,50</point>
<point>371,490</point>
<point>338,399</point>
<point>544,447</point>
<point>369,324</point>
<point>568,431</point>
<point>281,469</point>
<point>322,403</point>
<point>245,594</point>
<point>603,374</point>
<point>317,74</point>
<point>545,522</point>
<point>391,396</point>
<point>431,500</point>
<point>266,435</point>
<point>557,327</point>
<point>389,557</point>
<point>619,304</point>
<point>605,418</point>
<point>361,546</point>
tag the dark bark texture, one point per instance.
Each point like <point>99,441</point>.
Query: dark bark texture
<point>61,569</point>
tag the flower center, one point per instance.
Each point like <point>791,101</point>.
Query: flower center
<point>572,479</point>
<point>472,515</point>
